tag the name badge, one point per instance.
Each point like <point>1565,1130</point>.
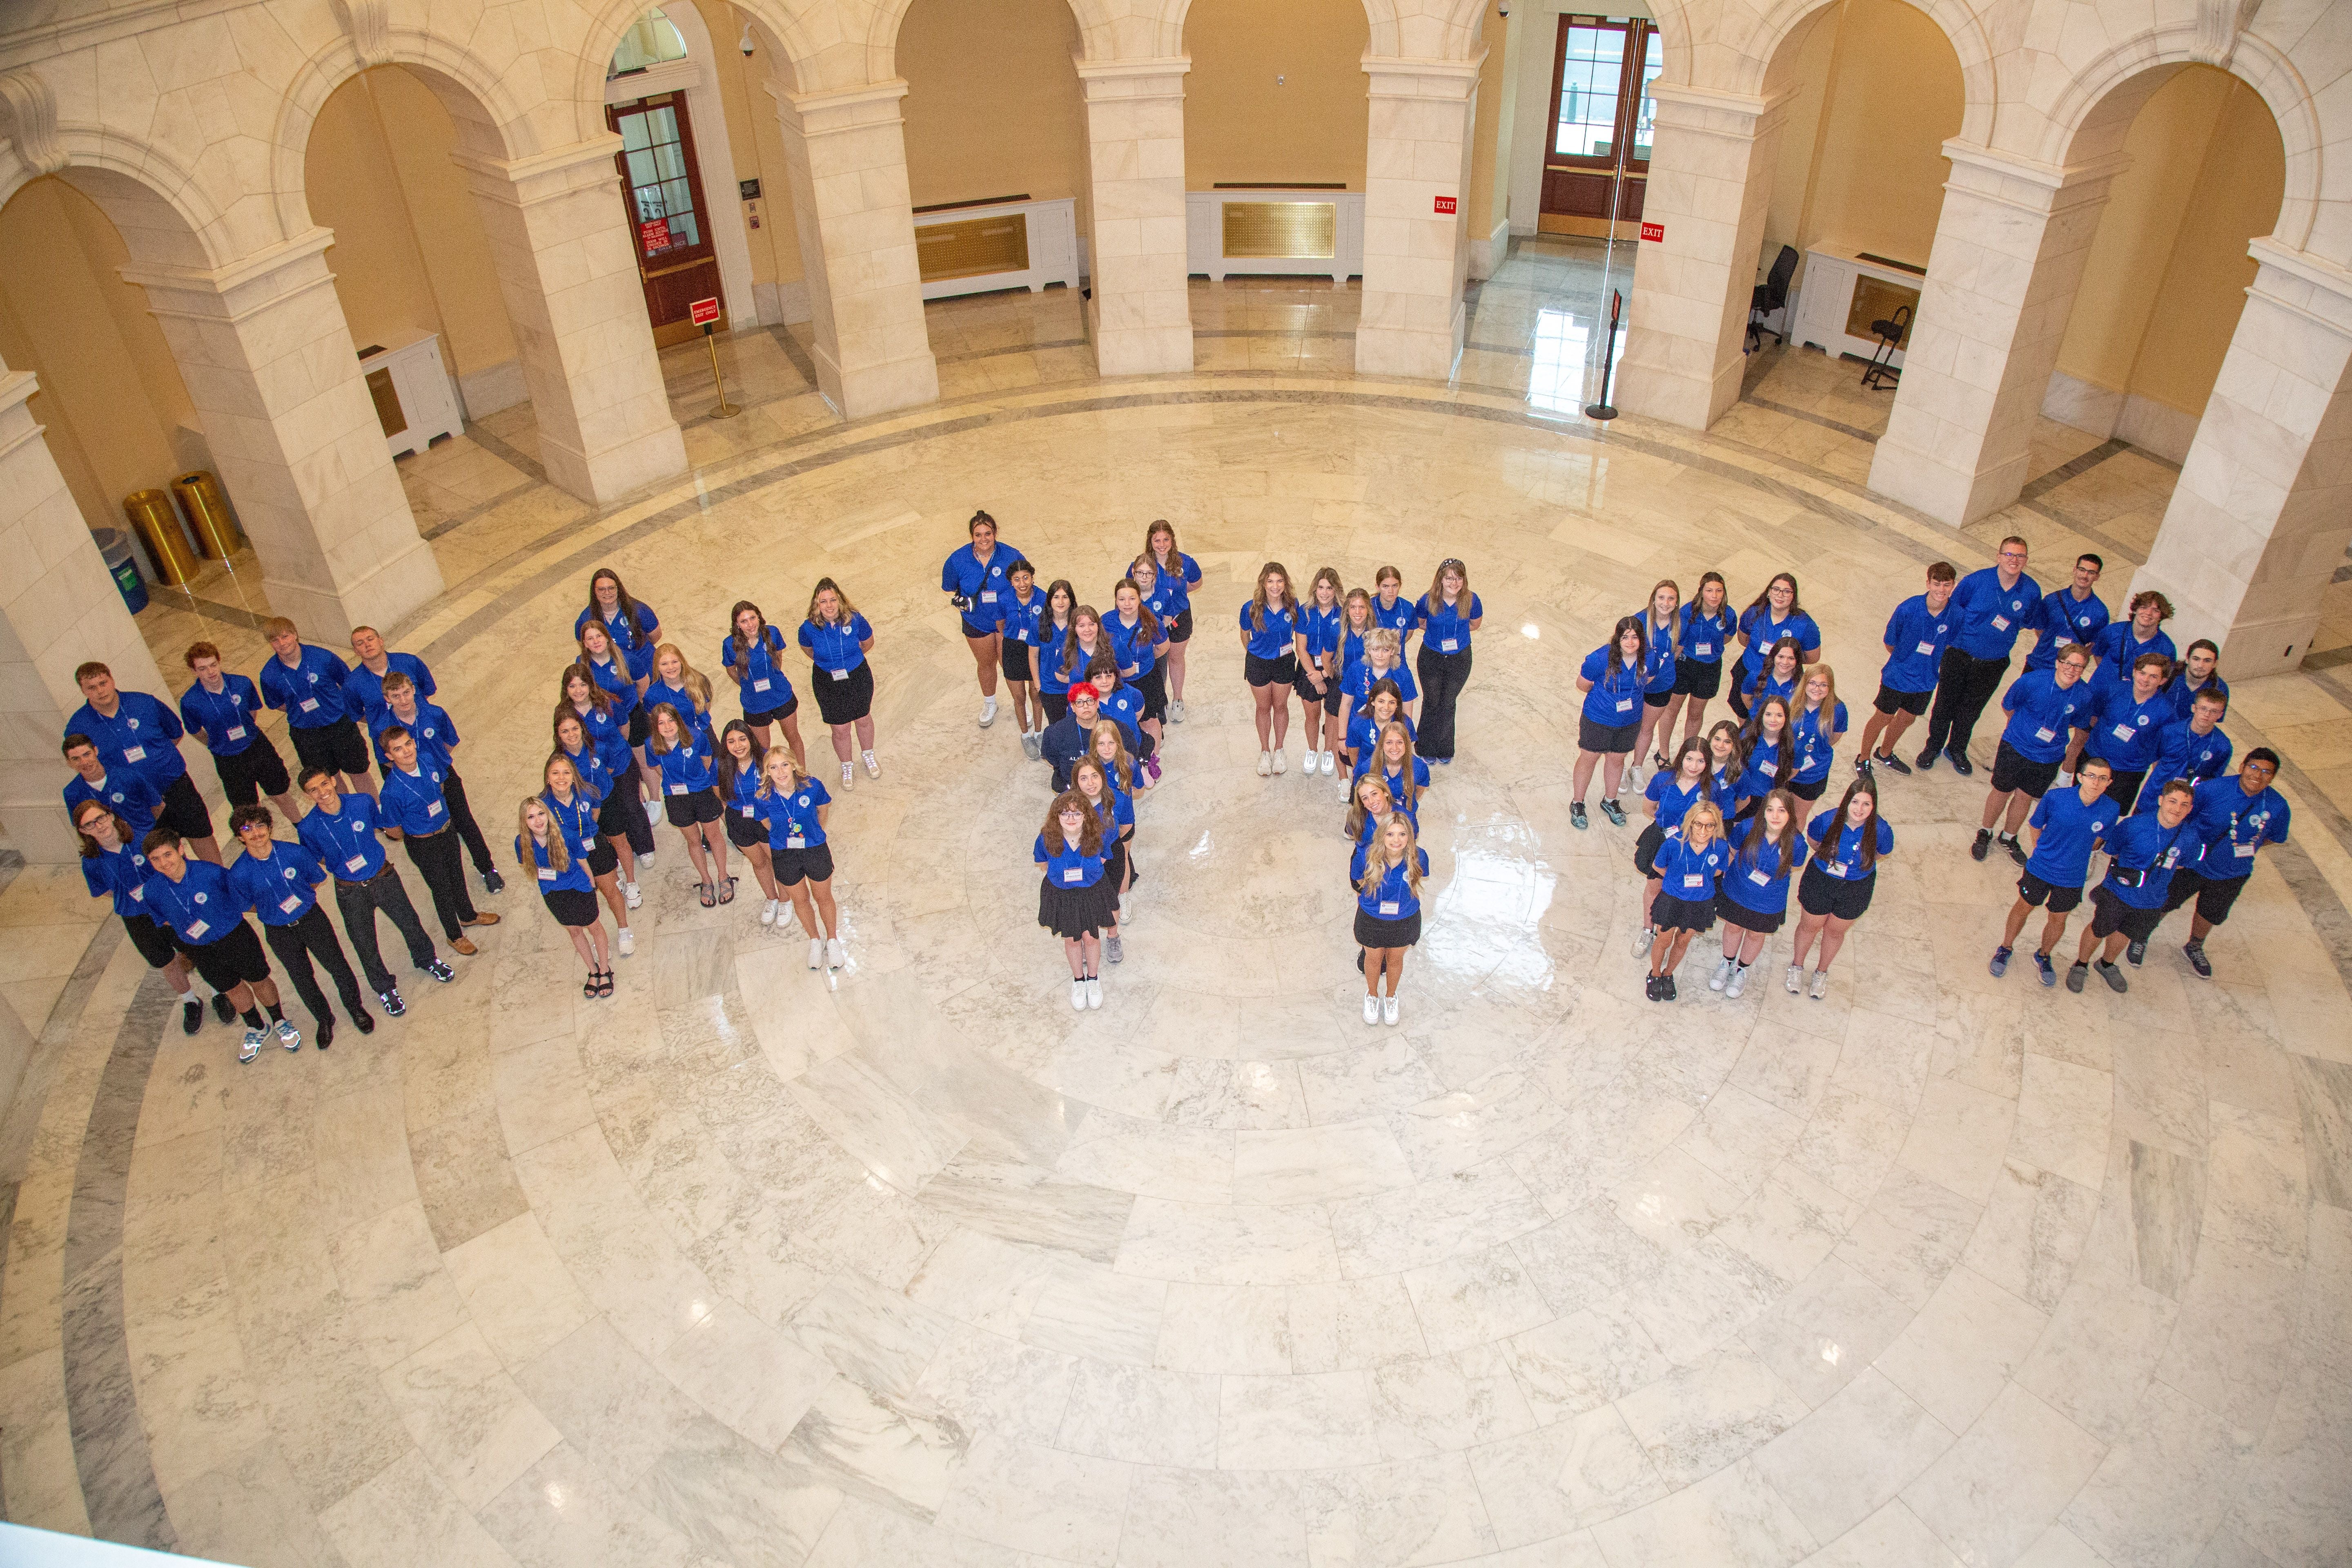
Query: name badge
<point>799,842</point>
<point>760,684</point>
<point>356,863</point>
<point>587,842</point>
<point>431,808</point>
<point>750,811</point>
<point>2045,733</point>
<point>2123,731</point>
<point>1694,879</point>
<point>2001,623</point>
<point>1759,875</point>
<point>1770,770</point>
<point>841,675</point>
<point>1700,647</point>
<point>1448,646</point>
<point>1927,648</point>
<point>2242,851</point>
<point>1836,868</point>
<point>1074,873</point>
<point>1387,909</point>
<point>290,904</point>
<point>234,732</point>
<point>678,789</point>
<point>547,873</point>
<point>1624,705</point>
<point>987,597</point>
<point>135,755</point>
<point>309,704</point>
<point>196,930</point>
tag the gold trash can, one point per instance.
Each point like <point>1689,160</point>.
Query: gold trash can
<point>209,515</point>
<point>158,527</point>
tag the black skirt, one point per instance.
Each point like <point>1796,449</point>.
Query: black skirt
<point>1373,932</point>
<point>1646,847</point>
<point>846,700</point>
<point>605,859</point>
<point>570,906</point>
<point>1014,661</point>
<point>1693,915</point>
<point>1153,684</point>
<point>1736,913</point>
<point>1073,912</point>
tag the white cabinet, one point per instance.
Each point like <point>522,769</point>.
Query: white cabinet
<point>1007,244</point>
<point>1288,231</point>
<point>415,398</point>
<point>1827,312</point>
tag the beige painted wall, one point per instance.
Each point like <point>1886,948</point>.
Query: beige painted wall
<point>993,107</point>
<point>757,140</point>
<point>1480,204</point>
<point>1240,126</point>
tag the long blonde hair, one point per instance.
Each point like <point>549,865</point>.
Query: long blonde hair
<point>1436,594</point>
<point>767,780</point>
<point>1258,599</point>
<point>559,855</point>
<point>1805,673</point>
<point>1377,862</point>
<point>1379,762</point>
<point>848,610</point>
<point>1357,813</point>
<point>690,680</point>
<point>1120,771</point>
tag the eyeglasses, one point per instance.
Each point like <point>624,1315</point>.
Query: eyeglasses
<point>2012,556</point>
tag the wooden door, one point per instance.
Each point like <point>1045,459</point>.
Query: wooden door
<point>661,186</point>
<point>1601,79</point>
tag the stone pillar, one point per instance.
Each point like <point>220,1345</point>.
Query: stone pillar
<point>1141,312</point>
<point>2008,252</point>
<point>568,272</point>
<point>2258,523</point>
<point>1416,258</point>
<point>846,152</point>
<point>271,368</point>
<point>58,607</point>
<point>1686,311</point>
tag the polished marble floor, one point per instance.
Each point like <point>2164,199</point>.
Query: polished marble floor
<point>913,1264</point>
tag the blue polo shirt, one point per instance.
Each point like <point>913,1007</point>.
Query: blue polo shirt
<point>1672,801</point>
<point>1273,640</point>
<point>311,694</point>
<point>1363,732</point>
<point>791,819</point>
<point>575,819</point>
<point>119,874</point>
<point>433,730</point>
<point>1067,868</point>
<point>1373,824</point>
<point>1817,743</point>
<point>1843,859</point>
<point>608,739</point>
<point>1991,615</point>
<point>1723,786</point>
<point>228,720</point>
<point>1771,764</point>
<point>1445,628</point>
<point>2231,825</point>
<point>1392,898</point>
<point>2146,854</point>
<point>126,792</point>
<point>1164,602</point>
<point>1132,645</point>
<point>1615,699</point>
<point>738,788</point>
<point>832,648</point>
<point>1324,630</point>
<point>690,712</point>
<point>2184,696</point>
<point>279,889</point>
<point>1017,619</point>
<point>573,878</point>
<point>1705,637</point>
<point>1762,630</point>
<point>1761,685</point>
<point>1069,658</point>
<point>1689,874</point>
<point>2123,730</point>
<point>364,688</point>
<point>2182,754</point>
<point>687,769</point>
<point>2041,712</point>
<point>1178,579</point>
<point>201,908</point>
<point>1756,880</point>
<point>1399,618</point>
<point>1125,706</point>
<point>2062,618</point>
<point>1394,778</point>
<point>2065,830</point>
<point>1358,680</point>
<point>415,803</point>
<point>982,582</point>
<point>636,645</point>
<point>345,838</point>
<point>1915,640</point>
<point>141,736</point>
<point>1658,654</point>
<point>613,676</point>
<point>764,687</point>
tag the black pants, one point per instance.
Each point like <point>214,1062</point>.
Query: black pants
<point>436,859</point>
<point>297,945</point>
<point>461,818</point>
<point>1737,692</point>
<point>1963,686</point>
<point>361,902</point>
<point>1442,676</point>
<point>638,826</point>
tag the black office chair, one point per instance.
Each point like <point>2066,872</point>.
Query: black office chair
<point>1891,332</point>
<point>1771,295</point>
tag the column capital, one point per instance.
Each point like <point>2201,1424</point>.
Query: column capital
<point>2318,290</point>
<point>1712,113</point>
<point>2028,183</point>
<point>15,429</point>
<point>1112,70</point>
<point>239,289</point>
<point>831,110</point>
<point>1400,76</point>
<point>540,176</point>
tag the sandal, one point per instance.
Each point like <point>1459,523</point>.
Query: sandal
<point>604,984</point>
<point>588,986</point>
<point>726,892</point>
<point>710,899</point>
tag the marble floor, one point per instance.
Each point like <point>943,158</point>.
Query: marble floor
<point>912,1265</point>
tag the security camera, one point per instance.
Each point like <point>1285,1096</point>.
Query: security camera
<point>747,39</point>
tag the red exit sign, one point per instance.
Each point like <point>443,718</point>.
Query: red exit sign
<point>1656,231</point>
<point>705,311</point>
<point>1446,203</point>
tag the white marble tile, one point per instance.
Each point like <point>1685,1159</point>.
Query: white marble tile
<point>2005,1479</point>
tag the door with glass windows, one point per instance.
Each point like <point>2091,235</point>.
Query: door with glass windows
<point>1600,105</point>
<point>661,185</point>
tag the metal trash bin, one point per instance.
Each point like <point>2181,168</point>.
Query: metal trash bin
<point>158,525</point>
<point>114,549</point>
<point>209,518</point>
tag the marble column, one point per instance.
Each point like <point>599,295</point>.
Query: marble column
<point>2009,253</point>
<point>270,366</point>
<point>1687,312</point>
<point>2259,521</point>
<point>1141,312</point>
<point>58,608</point>
<point>845,149</point>
<point>1416,258</point>
<point>568,271</point>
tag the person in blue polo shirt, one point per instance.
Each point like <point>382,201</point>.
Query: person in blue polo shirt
<point>1993,604</point>
<point>565,888</point>
<point>124,791</point>
<point>1075,896</point>
<point>2042,707</point>
<point>1671,795</point>
<point>2233,818</point>
<point>340,830</point>
<point>795,804</point>
<point>2121,647</point>
<point>275,880</point>
<point>629,624</point>
<point>2193,748</point>
<point>1321,641</point>
<point>364,685</point>
<point>2067,824</point>
<point>415,801</point>
<point>1018,612</point>
<point>306,683</point>
<point>974,582</point>
<point>1387,873</point>
<point>1709,627</point>
<point>1137,642</point>
<point>224,712</point>
<point>113,868</point>
<point>1612,679</point>
<point>1840,879</point>
<point>436,738</point>
<point>2147,852</point>
<point>2072,614</point>
<point>196,900</point>
<point>1665,626</point>
<point>2196,673</point>
<point>1449,614</point>
<point>1918,633</point>
<point>1179,574</point>
<point>134,731</point>
<point>1689,860</point>
<point>837,639</point>
<point>2125,724</point>
<point>1753,899</point>
<point>1268,623</point>
<point>1772,614</point>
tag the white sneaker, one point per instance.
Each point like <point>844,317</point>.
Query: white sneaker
<point>630,897</point>
<point>287,1035</point>
<point>1795,979</point>
<point>1265,764</point>
<point>1642,941</point>
<point>1077,996</point>
<point>629,943</point>
<point>645,861</point>
<point>873,766</point>
<point>835,953</point>
<point>1371,1008</point>
<point>1331,764</point>
<point>1282,761</point>
<point>848,778</point>
<point>987,711</point>
<point>1176,712</point>
<point>1722,977</point>
<point>1094,994</point>
<point>816,952</point>
<point>1738,981</point>
<point>1821,984</point>
<point>768,913</point>
<point>1388,1009</point>
<point>252,1046</point>
<point>1633,775</point>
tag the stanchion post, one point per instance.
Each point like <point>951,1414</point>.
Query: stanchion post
<point>705,314</point>
<point>1604,409</point>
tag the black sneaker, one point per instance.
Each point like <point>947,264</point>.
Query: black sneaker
<point>1861,766</point>
<point>192,1018</point>
<point>1576,818</point>
<point>1666,988</point>
<point>493,881</point>
<point>1888,760</point>
<point>1983,846</point>
<point>1925,760</point>
<point>1650,989</point>
<point>363,1021</point>
<point>222,1008</point>
<point>2135,952</point>
<point>2114,977</point>
<point>393,1006</point>
<point>441,971</point>
<point>2016,850</point>
<point>324,1033</point>
<point>2195,952</point>
<point>1613,811</point>
<point>1960,763</point>
<point>2076,977</point>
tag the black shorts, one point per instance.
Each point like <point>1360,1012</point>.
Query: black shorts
<point>1179,630</point>
<point>338,747</point>
<point>156,944</point>
<point>1282,672</point>
<point>2214,895</point>
<point>846,700</point>
<point>2056,900</point>
<point>2013,770</point>
<point>2111,915</point>
<point>184,810</point>
<point>1735,913</point>
<point>1657,698</point>
<point>767,716</point>
<point>974,633</point>
<point>1693,915</point>
<point>1608,740</point>
<point>1309,695</point>
<point>1841,897</point>
<point>606,858</point>
<point>1153,684</point>
<point>745,832</point>
<point>570,906</point>
<point>814,863</point>
<point>686,810</point>
<point>612,812</point>
<point>1646,847</point>
<point>233,961</point>
<point>1809,792</point>
<point>1014,662</point>
<point>1692,678</point>
<point>1890,700</point>
<point>1371,930</point>
<point>246,776</point>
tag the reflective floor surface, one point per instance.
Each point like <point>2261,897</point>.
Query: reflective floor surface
<point>913,1264</point>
